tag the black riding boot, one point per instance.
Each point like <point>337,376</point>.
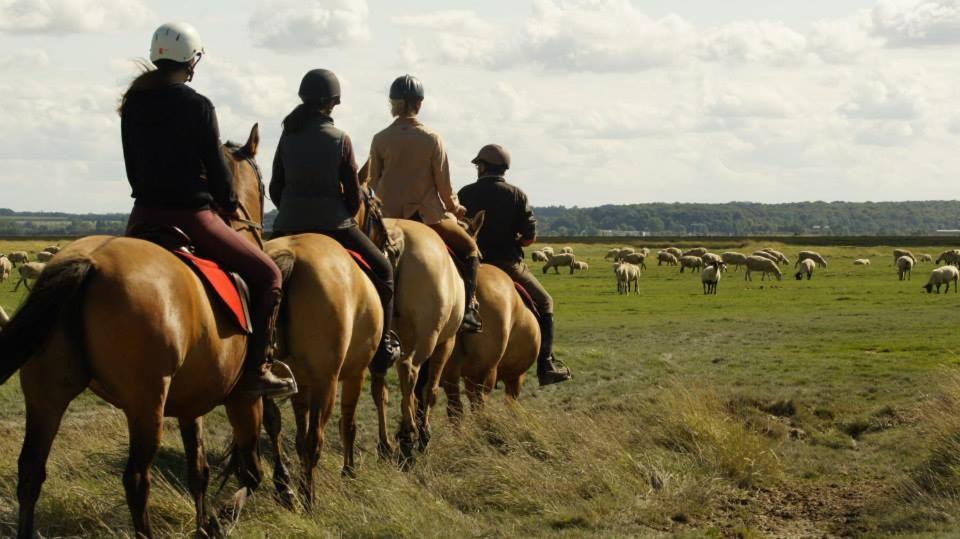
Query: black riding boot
<point>257,379</point>
<point>389,351</point>
<point>471,317</point>
<point>547,370</point>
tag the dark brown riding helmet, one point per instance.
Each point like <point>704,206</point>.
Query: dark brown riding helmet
<point>493,154</point>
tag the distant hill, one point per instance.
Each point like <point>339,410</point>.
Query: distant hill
<point>660,219</point>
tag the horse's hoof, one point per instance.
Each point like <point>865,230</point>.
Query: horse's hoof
<point>286,498</point>
<point>212,528</point>
<point>423,441</point>
<point>348,472</point>
<point>385,451</point>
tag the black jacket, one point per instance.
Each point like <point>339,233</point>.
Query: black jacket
<point>508,219</point>
<point>171,148</point>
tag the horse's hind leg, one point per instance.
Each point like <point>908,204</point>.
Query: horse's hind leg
<point>431,387</point>
<point>320,408</point>
<point>406,437</point>
<point>246,418</point>
<point>145,430</point>
<point>273,424</point>
<point>198,471</point>
<point>380,395</point>
<point>352,387</point>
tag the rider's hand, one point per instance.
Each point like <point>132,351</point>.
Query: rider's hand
<point>460,211</point>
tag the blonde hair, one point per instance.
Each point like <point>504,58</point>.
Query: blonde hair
<point>402,107</point>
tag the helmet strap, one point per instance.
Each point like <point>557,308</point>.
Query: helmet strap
<point>192,66</point>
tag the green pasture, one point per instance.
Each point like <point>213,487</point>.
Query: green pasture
<point>828,407</point>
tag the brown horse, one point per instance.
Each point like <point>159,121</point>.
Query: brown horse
<point>504,351</point>
<point>133,323</point>
<point>331,325</point>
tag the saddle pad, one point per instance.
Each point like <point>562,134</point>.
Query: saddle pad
<point>358,258</point>
<point>222,285</point>
<point>527,299</point>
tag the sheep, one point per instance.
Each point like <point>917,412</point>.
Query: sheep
<point>626,251</point>
<point>943,275</point>
<point>645,251</point>
<point>803,255</point>
<point>664,257</point>
<point>897,253</point>
<point>19,257</point>
<point>697,251</point>
<point>861,262</point>
<point>766,255</point>
<point>580,266</point>
<point>951,257</point>
<point>612,254</point>
<point>547,250</point>
<point>710,276</point>
<point>638,259</point>
<point>28,271</point>
<point>733,258</point>
<point>764,265</point>
<point>710,258</point>
<point>627,273</point>
<point>674,251</point>
<point>538,256</point>
<point>5,268</point>
<point>924,257</point>
<point>567,250</point>
<point>44,256</point>
<point>692,262</point>
<point>3,318</point>
<point>781,258</point>
<point>905,266</point>
<point>53,249</point>
<point>806,266</point>
<point>556,262</point>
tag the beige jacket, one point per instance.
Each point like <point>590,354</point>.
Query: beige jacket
<point>410,172</point>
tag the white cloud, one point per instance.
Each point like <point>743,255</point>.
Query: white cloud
<point>917,23</point>
<point>756,41</point>
<point>882,100</point>
<point>300,26</point>
<point>24,59</point>
<point>71,16</point>
<point>842,40</point>
<point>756,103</point>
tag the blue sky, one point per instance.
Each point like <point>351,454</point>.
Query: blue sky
<point>600,101</point>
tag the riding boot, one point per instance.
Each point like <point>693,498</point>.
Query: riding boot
<point>471,317</point>
<point>548,371</point>
<point>258,380</point>
<point>389,350</point>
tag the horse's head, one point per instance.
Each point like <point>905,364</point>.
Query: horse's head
<point>248,184</point>
<point>473,224</point>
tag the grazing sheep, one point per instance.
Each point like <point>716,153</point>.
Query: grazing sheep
<point>567,250</point>
<point>3,318</point>
<point>28,271</point>
<point>733,258</point>
<point>803,255</point>
<point>580,266</point>
<point>638,259</point>
<point>692,262</point>
<point>645,251</point>
<point>563,260</point>
<point>697,251</point>
<point>905,266</point>
<point>538,256</point>
<point>547,250</point>
<point>951,257</point>
<point>897,253</point>
<point>710,276</point>
<point>664,257</point>
<point>710,258</point>
<point>806,266</point>
<point>764,265</point>
<point>53,249</point>
<point>612,254</point>
<point>44,256</point>
<point>6,267</point>
<point>781,258</point>
<point>674,251</point>
<point>943,275</point>
<point>924,257</point>
<point>626,251</point>
<point>769,256</point>
<point>19,257</point>
<point>627,273</point>
<point>861,262</point>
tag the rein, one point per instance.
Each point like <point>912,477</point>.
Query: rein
<point>246,222</point>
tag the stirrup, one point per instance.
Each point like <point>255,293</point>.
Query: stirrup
<point>282,370</point>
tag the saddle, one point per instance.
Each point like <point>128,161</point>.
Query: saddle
<point>527,299</point>
<point>228,289</point>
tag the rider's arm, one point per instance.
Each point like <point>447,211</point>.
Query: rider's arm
<point>441,176</point>
<point>527,223</point>
<point>374,165</point>
<point>219,178</point>
<point>278,179</point>
<point>349,180</point>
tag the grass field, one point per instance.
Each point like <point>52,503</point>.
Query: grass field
<point>828,407</point>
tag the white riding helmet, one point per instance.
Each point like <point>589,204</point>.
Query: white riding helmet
<point>176,41</point>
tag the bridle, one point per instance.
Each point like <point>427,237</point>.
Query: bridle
<point>246,222</point>
<point>373,218</point>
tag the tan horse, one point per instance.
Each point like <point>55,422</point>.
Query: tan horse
<point>133,323</point>
<point>331,326</point>
<point>504,351</point>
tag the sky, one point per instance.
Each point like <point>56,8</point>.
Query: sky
<point>598,101</point>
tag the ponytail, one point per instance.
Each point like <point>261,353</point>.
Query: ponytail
<point>150,77</point>
<point>298,117</point>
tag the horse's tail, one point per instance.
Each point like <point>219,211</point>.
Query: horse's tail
<point>285,260</point>
<point>56,297</point>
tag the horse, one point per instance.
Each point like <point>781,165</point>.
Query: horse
<point>504,351</point>
<point>330,328</point>
<point>132,322</point>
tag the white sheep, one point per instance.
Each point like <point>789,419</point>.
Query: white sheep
<point>547,250</point>
<point>645,251</point>
<point>905,266</point>
<point>638,259</point>
<point>761,264</point>
<point>710,276</point>
<point>897,253</point>
<point>767,255</point>
<point>538,256</point>
<point>861,262</point>
<point>664,257</point>
<point>626,251</point>
<point>564,260</point>
<point>943,275</point>
<point>710,258</point>
<point>733,258</point>
<point>781,258</point>
<point>627,273</point>
<point>697,251</point>
<point>3,318</point>
<point>803,255</point>
<point>612,254</point>
<point>19,257</point>
<point>692,262</point>
<point>44,256</point>
<point>675,251</point>
<point>580,266</point>
<point>924,257</point>
<point>28,271</point>
<point>567,250</point>
<point>806,266</point>
<point>6,267</point>
<point>951,257</point>
<point>53,249</point>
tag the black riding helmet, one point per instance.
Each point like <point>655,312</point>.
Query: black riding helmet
<point>319,85</point>
<point>407,87</point>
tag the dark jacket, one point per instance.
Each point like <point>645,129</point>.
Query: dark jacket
<point>171,148</point>
<point>315,184</point>
<point>508,221</point>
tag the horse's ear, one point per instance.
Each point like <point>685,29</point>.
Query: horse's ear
<point>477,222</point>
<point>253,141</point>
<point>364,171</point>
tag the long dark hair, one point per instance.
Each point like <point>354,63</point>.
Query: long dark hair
<point>297,119</point>
<point>150,77</point>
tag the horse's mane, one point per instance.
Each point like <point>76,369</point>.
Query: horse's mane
<point>238,150</point>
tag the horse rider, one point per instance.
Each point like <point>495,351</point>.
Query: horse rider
<point>410,172</point>
<point>316,188</point>
<point>509,226</point>
<point>175,165</point>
